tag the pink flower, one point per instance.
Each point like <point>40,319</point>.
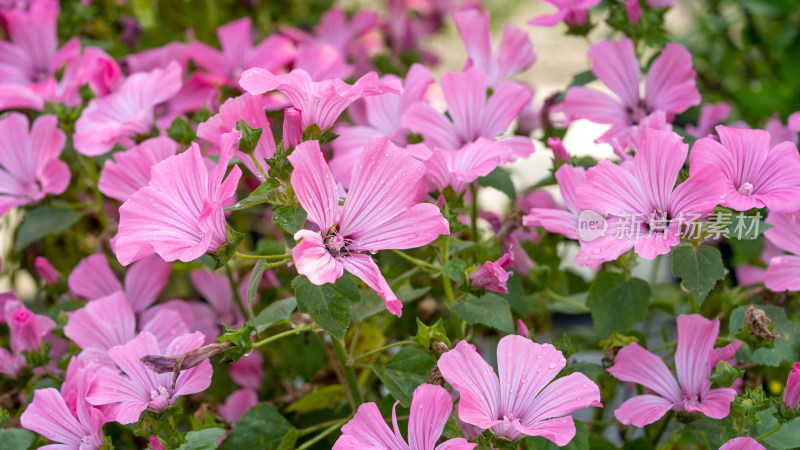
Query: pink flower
<point>670,89</point>
<point>45,270</point>
<point>157,58</point>
<point>29,165</point>
<point>574,13</point>
<point>522,329</point>
<point>783,271</point>
<point>695,358</point>
<point>250,109</point>
<point>514,55</point>
<point>559,151</point>
<point>93,278</point>
<point>238,53</point>
<point>238,403</point>
<point>459,168</point>
<point>779,132</point>
<point>378,115</point>
<point>430,409</point>
<point>321,102</point>
<point>66,417</point>
<point>126,113</point>
<point>791,396</point>
<point>492,276</point>
<point>382,211</point>
<point>26,328</point>
<point>755,175</point>
<point>520,402</point>
<point>216,290</point>
<point>248,371</point>
<point>129,170</point>
<point>196,94</point>
<point>14,96</point>
<point>11,364</point>
<point>292,127</point>
<point>139,388</point>
<point>179,215</point>
<point>711,115</point>
<point>198,316</point>
<point>742,443</point>
<point>645,210</point>
<point>794,122</point>
<point>561,221</point>
<point>473,116</point>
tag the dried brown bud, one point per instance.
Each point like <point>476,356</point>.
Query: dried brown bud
<point>439,347</point>
<point>184,361</point>
<point>435,377</point>
<point>610,354</point>
<point>758,323</point>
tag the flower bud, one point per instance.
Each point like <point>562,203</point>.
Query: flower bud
<point>522,329</point>
<point>45,270</point>
<point>492,276</point>
<point>559,151</point>
<point>292,127</point>
<point>791,395</point>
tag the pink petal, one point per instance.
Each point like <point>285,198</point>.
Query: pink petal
<point>634,364</point>
<point>145,280</point>
<point>14,96</point>
<point>423,119</point>
<point>715,404</point>
<point>49,416</point>
<point>785,231</point>
<point>314,185</point>
<point>92,278</point>
<point>238,403</point>
<point>671,81</point>
<point>313,259</point>
<point>642,410</point>
<point>166,325</point>
<point>430,409</point>
<point>465,94</point>
<point>363,267</point>
<point>783,274</point>
<point>696,337</point>
<point>129,171</point>
<point>368,430</point>
<point>525,368</point>
<point>102,323</point>
<point>585,103</point>
<point>742,443</point>
<point>456,444</point>
<point>505,104</point>
<point>562,397</point>
<point>615,64</point>
<point>560,431</point>
<point>473,27</point>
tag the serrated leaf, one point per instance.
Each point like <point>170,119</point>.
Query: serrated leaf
<point>500,179</point>
<point>699,269</point>
<point>426,333</point>
<point>616,303</point>
<point>454,269</point>
<point>261,427</point>
<point>43,221</point>
<point>226,251</point>
<point>261,194</point>
<point>490,309</point>
<point>323,398</point>
<point>250,137</point>
<point>290,218</point>
<point>329,305</point>
<point>16,438</point>
<point>785,346</point>
<point>404,372</point>
<point>274,313</point>
<point>202,439</point>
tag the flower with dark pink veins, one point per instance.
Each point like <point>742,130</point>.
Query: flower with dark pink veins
<point>783,271</point>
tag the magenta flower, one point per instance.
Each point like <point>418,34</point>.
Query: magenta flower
<point>29,165</point>
<point>492,275</point>
<point>237,403</point>
<point>321,102</point>
<point>196,94</point>
<point>755,175</point>
<point>561,221</point>
<point>382,211</point>
<point>783,271</point>
<point>15,96</point>
<point>45,270</point>
<point>791,395</point>
<point>140,388</point>
<point>742,443</point>
<point>378,115</point>
<point>459,168</point>
<point>292,127</point>
<point>571,12</point>
<point>93,278</point>
<point>711,115</point>
<point>473,116</point>
<point>26,328</point>
<point>118,118</point>
<point>157,58</point>
<point>514,55</point>
<point>66,417</point>
<point>179,215</point>
<point>670,89</point>
<point>520,402</point>
<point>238,53</point>
<point>248,371</point>
<point>216,290</point>
<point>129,170</point>
<point>430,409</point>
<point>645,210</point>
<point>695,358</point>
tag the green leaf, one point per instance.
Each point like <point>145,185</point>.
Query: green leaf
<point>490,309</point>
<point>255,279</point>
<point>404,372</point>
<point>454,269</point>
<point>616,303</point>
<point>202,439</point>
<point>276,312</point>
<point>226,251</point>
<point>180,131</point>
<point>500,179</point>
<point>725,374</point>
<point>250,137</point>
<point>785,438</point>
<point>329,305</point>
<point>240,337</point>
<point>261,194</point>
<point>699,269</point>
<point>43,221</point>
<point>426,333</point>
<point>290,218</point>
<point>261,427</point>
<point>16,438</point>
<point>323,398</point>
<point>785,346</point>
<point>288,441</point>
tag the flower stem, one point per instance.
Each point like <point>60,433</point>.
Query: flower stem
<point>474,211</point>
<point>663,427</point>
<point>283,335</point>
<point>379,350</point>
<point>567,300</point>
<point>770,432</point>
<point>236,297</point>
<point>338,424</point>
<point>349,374</point>
<point>88,164</point>
<point>416,261</point>
<point>320,426</point>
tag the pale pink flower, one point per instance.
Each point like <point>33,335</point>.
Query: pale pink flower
<point>196,94</point>
<point>670,89</point>
<point>574,13</point>
<point>198,316</point>
<point>783,271</point>
<point>780,132</point>
<point>645,210</point>
<point>237,403</point>
<point>95,68</point>
<point>747,274</point>
<point>791,396</point>
<point>93,278</point>
<point>29,164</point>
<point>556,220</point>
<point>695,358</point>
<point>157,58</point>
<point>473,115</point>
<point>459,168</point>
<point>711,115</point>
<point>179,215</point>
<point>129,170</point>
<point>45,270</point>
<point>11,364</point>
<point>140,388</point>
<point>514,55</point>
<point>634,10</point>
<point>248,371</point>
<point>742,443</point>
<point>378,115</point>
<point>492,275</point>
<point>522,401</point>
<point>321,102</point>
<point>430,409</point>
<point>118,118</point>
<point>238,53</point>
<point>755,175</point>
<point>26,328</point>
<point>216,290</point>
<point>382,211</point>
<point>794,122</point>
<point>322,61</point>
<point>15,96</point>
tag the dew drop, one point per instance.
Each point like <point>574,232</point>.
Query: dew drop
<point>596,251</point>
<point>552,365</point>
<point>584,385</point>
<point>539,370</point>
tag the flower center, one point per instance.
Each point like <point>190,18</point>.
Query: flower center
<point>159,399</point>
<point>746,189</point>
<point>336,244</point>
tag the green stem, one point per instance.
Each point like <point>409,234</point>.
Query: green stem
<point>567,300</point>
<point>260,257</point>
<point>326,432</point>
<point>236,295</point>
<point>283,335</point>
<point>349,374</point>
<point>770,432</point>
<point>258,166</point>
<point>88,164</point>
<point>378,350</point>
<point>663,427</point>
<point>695,306</point>
<point>705,440</point>
<point>416,261</point>
<point>320,426</point>
<point>474,211</point>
